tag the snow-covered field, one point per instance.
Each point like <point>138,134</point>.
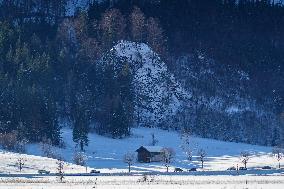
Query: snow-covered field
<point>152,182</point>
<point>106,154</point>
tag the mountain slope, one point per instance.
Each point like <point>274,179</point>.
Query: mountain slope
<point>158,94</point>
<point>221,106</point>
<point>202,96</point>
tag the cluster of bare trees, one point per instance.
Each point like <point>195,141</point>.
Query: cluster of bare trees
<point>100,34</point>
<point>277,152</point>
<point>189,147</point>
<point>244,157</point>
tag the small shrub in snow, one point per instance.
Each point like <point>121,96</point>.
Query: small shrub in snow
<point>80,158</point>
<point>144,178</point>
<point>21,146</point>
<point>48,150</point>
<point>147,178</point>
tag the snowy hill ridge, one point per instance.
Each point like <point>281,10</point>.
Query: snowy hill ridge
<point>158,94</point>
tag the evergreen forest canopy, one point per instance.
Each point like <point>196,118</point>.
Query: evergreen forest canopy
<point>49,61</point>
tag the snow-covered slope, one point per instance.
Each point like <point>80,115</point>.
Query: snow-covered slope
<point>32,163</point>
<point>158,94</point>
<point>106,154</point>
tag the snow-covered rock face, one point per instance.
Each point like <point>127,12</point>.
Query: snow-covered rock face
<point>158,94</point>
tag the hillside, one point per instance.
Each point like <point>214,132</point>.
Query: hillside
<point>106,154</point>
<point>207,99</point>
<point>209,68</point>
<point>32,163</point>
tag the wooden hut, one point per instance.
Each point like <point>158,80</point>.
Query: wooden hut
<point>147,154</point>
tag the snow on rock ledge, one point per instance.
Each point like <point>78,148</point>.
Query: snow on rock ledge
<point>158,94</point>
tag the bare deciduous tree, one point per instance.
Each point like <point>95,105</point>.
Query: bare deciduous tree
<point>168,157</point>
<point>129,159</point>
<point>278,154</point>
<point>154,141</point>
<point>155,36</point>
<point>201,156</point>
<point>60,167</point>
<point>187,145</point>
<point>20,163</point>
<point>188,152</point>
<point>245,156</point>
<point>137,25</point>
<point>112,25</point>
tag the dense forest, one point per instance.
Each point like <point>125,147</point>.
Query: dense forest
<point>51,66</point>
